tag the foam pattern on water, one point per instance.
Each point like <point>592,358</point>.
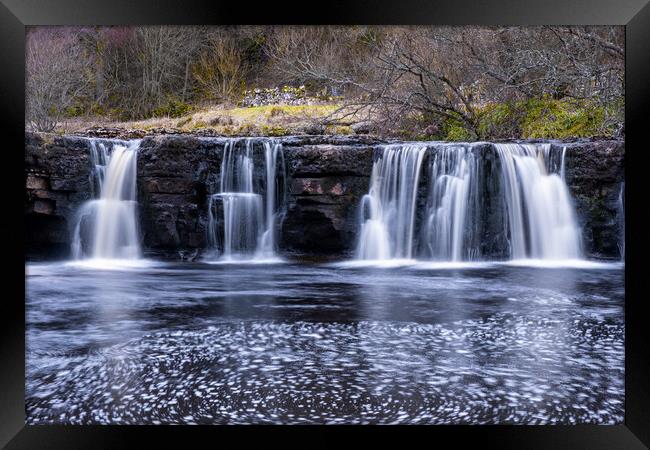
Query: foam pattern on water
<point>504,368</point>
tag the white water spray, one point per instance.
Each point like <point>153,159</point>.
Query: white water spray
<point>453,178</point>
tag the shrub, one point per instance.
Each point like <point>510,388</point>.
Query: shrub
<point>172,108</point>
<point>457,130</point>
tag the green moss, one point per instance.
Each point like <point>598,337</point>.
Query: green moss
<point>456,130</point>
<point>274,130</point>
<point>548,118</point>
<point>499,120</point>
<point>539,118</point>
<point>458,133</point>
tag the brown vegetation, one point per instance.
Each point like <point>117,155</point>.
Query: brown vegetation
<point>416,82</point>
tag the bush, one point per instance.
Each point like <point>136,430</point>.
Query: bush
<point>456,130</point>
<point>172,108</point>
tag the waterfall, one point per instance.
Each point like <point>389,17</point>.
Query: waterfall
<point>99,161</point>
<point>245,214</point>
<point>387,214</point>
<point>482,200</point>
<point>541,218</point>
<point>452,203</point>
<point>106,227</point>
<point>621,220</point>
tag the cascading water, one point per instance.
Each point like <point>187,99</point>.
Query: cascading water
<point>526,211</point>
<point>106,227</point>
<point>451,206</point>
<point>542,223</point>
<point>251,206</point>
<point>621,220</point>
<point>388,210</point>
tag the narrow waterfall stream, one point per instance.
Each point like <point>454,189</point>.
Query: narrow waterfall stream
<point>621,220</point>
<point>483,201</point>
<point>452,204</point>
<point>246,212</point>
<point>388,210</point>
<point>106,227</point>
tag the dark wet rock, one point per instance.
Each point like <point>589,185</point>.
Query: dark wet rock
<point>56,183</point>
<point>322,213</point>
<point>326,159</point>
<point>594,173</point>
<point>175,175</point>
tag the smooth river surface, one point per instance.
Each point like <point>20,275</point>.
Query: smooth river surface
<point>171,343</point>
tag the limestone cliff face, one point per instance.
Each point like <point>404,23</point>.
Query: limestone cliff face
<point>326,176</point>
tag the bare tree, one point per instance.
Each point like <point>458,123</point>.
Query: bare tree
<point>57,75</point>
<point>421,74</point>
<point>319,55</point>
<point>220,68</point>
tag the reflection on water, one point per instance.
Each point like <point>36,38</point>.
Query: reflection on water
<point>289,343</point>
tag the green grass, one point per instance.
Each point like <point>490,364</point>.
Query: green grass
<point>538,118</point>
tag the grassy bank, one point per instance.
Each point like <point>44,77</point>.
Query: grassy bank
<point>543,118</point>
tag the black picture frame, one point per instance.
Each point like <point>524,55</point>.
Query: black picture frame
<point>15,15</point>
